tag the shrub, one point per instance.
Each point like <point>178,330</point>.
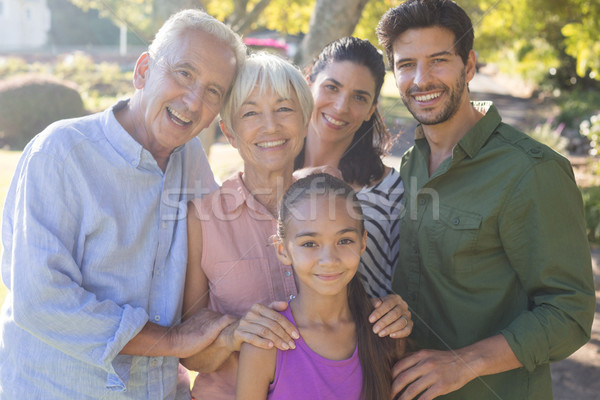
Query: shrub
<point>576,106</point>
<point>591,201</point>
<point>11,66</point>
<point>590,128</point>
<point>29,103</point>
<point>551,137</point>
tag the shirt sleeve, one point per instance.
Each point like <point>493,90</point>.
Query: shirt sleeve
<point>50,300</point>
<point>542,229</point>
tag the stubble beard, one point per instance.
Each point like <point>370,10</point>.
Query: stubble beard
<point>448,110</point>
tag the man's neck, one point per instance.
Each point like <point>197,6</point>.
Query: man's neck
<point>443,137</point>
<point>126,116</point>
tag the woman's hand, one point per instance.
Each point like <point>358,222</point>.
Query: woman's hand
<point>264,327</point>
<point>391,317</point>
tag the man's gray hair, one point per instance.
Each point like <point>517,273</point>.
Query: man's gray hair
<point>194,19</point>
<point>267,72</point>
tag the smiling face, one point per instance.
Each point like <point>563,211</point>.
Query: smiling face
<point>430,75</point>
<point>268,131</point>
<point>344,98</point>
<point>324,241</point>
<point>182,92</point>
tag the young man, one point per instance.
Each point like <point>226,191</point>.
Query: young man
<point>94,230</point>
<point>494,260</point>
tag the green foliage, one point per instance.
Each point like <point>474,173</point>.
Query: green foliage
<point>11,66</point>
<point>100,84</point>
<point>577,105</point>
<point>582,40</point>
<point>30,103</point>
<point>551,136</point>
<point>591,202</point>
<point>138,15</point>
<point>532,37</point>
<point>590,128</point>
<point>94,80</point>
<point>73,26</point>
<point>287,16</point>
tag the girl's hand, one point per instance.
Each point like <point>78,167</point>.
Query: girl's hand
<point>391,317</point>
<point>264,327</point>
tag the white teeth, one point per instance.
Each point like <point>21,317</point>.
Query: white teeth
<point>333,121</point>
<point>266,145</point>
<point>428,97</point>
<point>181,117</point>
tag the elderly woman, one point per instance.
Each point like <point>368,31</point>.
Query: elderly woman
<point>232,266</point>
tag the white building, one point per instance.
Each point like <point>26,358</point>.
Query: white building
<point>24,24</point>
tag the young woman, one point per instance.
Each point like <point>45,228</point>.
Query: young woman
<point>232,266</point>
<point>347,132</point>
<point>322,236</point>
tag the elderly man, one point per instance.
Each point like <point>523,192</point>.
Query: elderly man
<point>94,230</point>
<point>494,260</point>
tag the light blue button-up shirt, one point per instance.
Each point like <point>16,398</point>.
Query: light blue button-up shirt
<point>95,245</point>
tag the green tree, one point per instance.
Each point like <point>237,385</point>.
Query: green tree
<point>582,40</point>
<point>535,37</point>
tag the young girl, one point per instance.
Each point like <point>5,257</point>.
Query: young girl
<point>322,236</point>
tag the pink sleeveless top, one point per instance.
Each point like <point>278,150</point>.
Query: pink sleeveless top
<point>302,374</point>
<point>241,266</point>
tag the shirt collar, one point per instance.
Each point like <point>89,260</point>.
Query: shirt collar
<point>119,138</point>
<point>477,136</point>
<point>123,143</point>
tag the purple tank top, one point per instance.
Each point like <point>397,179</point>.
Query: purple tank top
<point>302,374</point>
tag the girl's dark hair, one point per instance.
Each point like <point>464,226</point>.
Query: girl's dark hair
<point>413,14</point>
<point>361,163</point>
<point>376,354</point>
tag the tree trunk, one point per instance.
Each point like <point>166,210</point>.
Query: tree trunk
<point>331,20</point>
<point>242,26</point>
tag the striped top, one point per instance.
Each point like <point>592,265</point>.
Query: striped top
<point>381,210</point>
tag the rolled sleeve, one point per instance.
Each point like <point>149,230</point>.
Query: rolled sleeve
<point>543,233</point>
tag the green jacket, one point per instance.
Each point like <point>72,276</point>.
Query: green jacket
<point>495,242</point>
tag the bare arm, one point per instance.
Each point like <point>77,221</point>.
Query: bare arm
<point>255,372</point>
<point>195,298</point>
<point>436,372</point>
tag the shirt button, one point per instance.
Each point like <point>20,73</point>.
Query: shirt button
<point>154,362</point>
<point>422,201</point>
<point>288,273</point>
<point>157,317</point>
<point>456,221</point>
<point>165,225</point>
<point>292,297</point>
